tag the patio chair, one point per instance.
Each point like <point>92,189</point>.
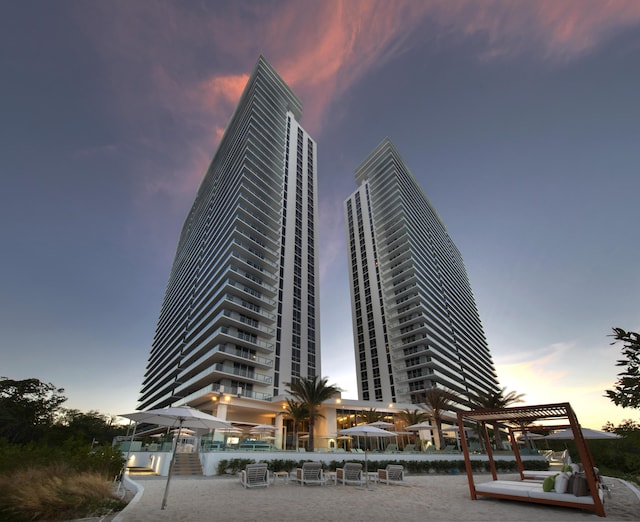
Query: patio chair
<point>350,473</point>
<point>255,476</point>
<point>392,474</point>
<point>310,473</point>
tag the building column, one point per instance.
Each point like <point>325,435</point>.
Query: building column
<point>278,433</point>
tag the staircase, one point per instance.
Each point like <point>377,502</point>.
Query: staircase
<point>187,464</point>
<point>140,470</point>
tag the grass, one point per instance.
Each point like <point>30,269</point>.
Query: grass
<point>55,492</point>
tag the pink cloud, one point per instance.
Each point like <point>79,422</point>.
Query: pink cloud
<point>153,53</point>
<point>324,48</point>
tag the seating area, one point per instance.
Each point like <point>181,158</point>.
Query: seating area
<point>392,474</point>
<point>310,474</point>
<point>350,473</point>
<point>255,476</point>
<point>542,489</point>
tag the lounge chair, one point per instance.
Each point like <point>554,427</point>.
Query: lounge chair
<point>392,474</point>
<point>255,476</point>
<point>350,473</point>
<point>310,473</point>
<point>409,448</point>
<point>391,448</point>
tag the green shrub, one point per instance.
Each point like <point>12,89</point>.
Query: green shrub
<point>233,466</point>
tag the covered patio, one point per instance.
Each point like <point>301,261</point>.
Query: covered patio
<point>519,420</point>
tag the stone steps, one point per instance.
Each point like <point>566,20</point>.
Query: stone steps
<point>187,464</point>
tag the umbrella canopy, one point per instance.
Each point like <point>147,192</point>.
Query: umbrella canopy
<point>531,436</point>
<point>183,431</point>
<point>182,417</point>
<point>366,430</point>
<point>381,424</point>
<point>232,429</point>
<point>586,433</point>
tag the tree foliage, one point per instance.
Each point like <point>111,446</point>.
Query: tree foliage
<point>27,408</point>
<point>298,413</point>
<point>626,392</point>
<point>312,392</point>
<point>437,401</point>
<point>495,400</point>
<point>410,417</point>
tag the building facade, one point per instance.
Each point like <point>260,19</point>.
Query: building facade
<point>240,315</point>
<point>415,320</point>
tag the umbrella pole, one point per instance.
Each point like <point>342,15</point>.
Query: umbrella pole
<point>366,467</point>
<point>173,458</point>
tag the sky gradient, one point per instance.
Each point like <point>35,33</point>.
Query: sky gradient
<point>520,120</point>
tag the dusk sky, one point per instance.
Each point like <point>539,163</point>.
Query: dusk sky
<point>520,120</point>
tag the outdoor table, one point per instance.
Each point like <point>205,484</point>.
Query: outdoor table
<point>284,475</point>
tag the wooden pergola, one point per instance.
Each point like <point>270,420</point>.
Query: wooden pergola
<point>518,420</point>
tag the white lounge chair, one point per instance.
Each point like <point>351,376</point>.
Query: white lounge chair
<point>392,474</point>
<point>255,476</point>
<point>350,473</point>
<point>310,473</point>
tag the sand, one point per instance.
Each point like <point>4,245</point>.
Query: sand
<point>431,497</point>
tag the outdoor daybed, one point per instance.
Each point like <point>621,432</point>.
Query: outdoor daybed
<point>516,419</point>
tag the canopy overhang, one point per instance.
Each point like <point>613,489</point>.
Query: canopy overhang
<point>517,420</point>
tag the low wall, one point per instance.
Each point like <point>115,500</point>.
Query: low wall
<point>159,461</point>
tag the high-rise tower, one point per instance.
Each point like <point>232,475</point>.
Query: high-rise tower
<point>415,321</point>
<point>241,313</point>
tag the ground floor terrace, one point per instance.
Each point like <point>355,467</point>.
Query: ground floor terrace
<point>267,426</point>
<point>158,462</point>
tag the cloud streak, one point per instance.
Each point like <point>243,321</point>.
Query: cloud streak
<point>178,69</point>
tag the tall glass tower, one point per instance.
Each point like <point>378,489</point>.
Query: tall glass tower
<point>415,321</point>
<point>241,314</point>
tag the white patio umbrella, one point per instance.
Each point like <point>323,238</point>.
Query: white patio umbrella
<point>586,433</point>
<point>261,429</point>
<point>182,417</point>
<point>381,424</point>
<point>366,430</point>
<point>183,431</point>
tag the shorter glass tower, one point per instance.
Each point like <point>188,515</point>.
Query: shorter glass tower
<point>415,320</point>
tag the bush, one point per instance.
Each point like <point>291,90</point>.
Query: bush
<point>233,466</point>
<point>105,460</point>
<point>56,492</point>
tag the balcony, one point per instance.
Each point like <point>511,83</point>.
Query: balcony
<point>221,370</point>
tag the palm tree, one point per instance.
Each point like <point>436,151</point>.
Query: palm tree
<point>312,392</point>
<point>371,415</point>
<point>495,400</point>
<point>298,413</point>
<point>411,417</point>
<point>437,401</point>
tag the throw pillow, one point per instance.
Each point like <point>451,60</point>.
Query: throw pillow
<point>548,483</point>
<point>580,486</point>
<point>561,483</point>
